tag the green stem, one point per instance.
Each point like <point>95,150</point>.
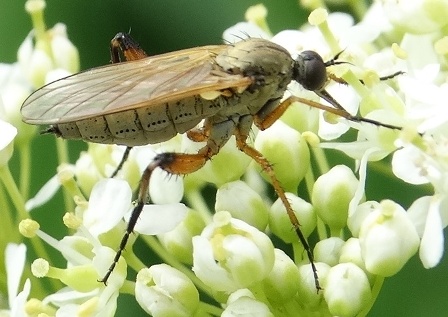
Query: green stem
<point>208,309</point>
<point>321,160</point>
<point>19,205</point>
<point>13,192</point>
<point>329,37</point>
<point>134,262</point>
<point>128,288</point>
<point>359,8</point>
<point>62,150</point>
<point>197,202</point>
<point>25,170</point>
<point>298,251</point>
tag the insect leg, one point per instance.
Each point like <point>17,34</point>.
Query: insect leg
<point>241,137</point>
<point>264,122</point>
<point>123,160</point>
<point>173,163</point>
<point>340,111</point>
<point>123,43</point>
<point>342,81</point>
<point>199,134</point>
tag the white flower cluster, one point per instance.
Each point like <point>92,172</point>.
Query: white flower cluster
<point>228,254</point>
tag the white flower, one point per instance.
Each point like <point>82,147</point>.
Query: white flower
<point>346,290</point>
<point>287,151</point>
<point>282,283</point>
<point>164,291</point>
<point>230,254</point>
<point>429,215</point>
<point>388,239</point>
<point>52,49</point>
<point>403,15</point>
<point>86,263</point>
<point>243,203</point>
<point>332,194</point>
<point>280,224</point>
<point>243,303</point>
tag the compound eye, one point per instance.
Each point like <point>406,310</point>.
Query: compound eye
<point>311,71</point>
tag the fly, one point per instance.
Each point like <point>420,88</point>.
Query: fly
<point>146,100</point>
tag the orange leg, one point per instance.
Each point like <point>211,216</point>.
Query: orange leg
<point>268,120</point>
<point>200,134</point>
<point>174,163</point>
<point>267,167</point>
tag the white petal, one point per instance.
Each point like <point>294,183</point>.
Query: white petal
<point>18,305</point>
<point>9,132</point>
<point>165,188</point>
<point>15,261</point>
<point>157,219</point>
<point>407,165</point>
<point>418,213</point>
<point>25,51</point>
<point>109,201</point>
<point>359,194</point>
<point>431,247</point>
<point>206,268</point>
<point>67,295</point>
<point>356,149</point>
<point>44,194</point>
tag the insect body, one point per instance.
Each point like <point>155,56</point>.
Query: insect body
<point>153,99</point>
<point>150,99</point>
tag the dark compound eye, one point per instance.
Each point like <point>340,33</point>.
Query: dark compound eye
<point>310,71</point>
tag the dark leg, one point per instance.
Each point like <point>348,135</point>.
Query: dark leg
<point>123,160</point>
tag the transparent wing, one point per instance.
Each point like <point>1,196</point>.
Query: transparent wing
<point>129,85</point>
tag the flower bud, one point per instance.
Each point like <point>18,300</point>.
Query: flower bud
<point>332,194</point>
<point>178,242</point>
<point>346,290</point>
<point>388,239</point>
<point>230,254</point>
<point>301,118</point>
<point>280,224</point>
<point>307,292</point>
<point>351,252</point>
<point>161,290</point>
<point>242,302</point>
<point>86,172</point>
<point>282,282</point>
<point>287,151</point>
<point>355,220</point>
<point>65,54</point>
<point>228,165</point>
<point>243,203</point>
<point>328,250</point>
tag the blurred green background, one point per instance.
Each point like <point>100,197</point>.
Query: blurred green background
<point>162,26</point>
